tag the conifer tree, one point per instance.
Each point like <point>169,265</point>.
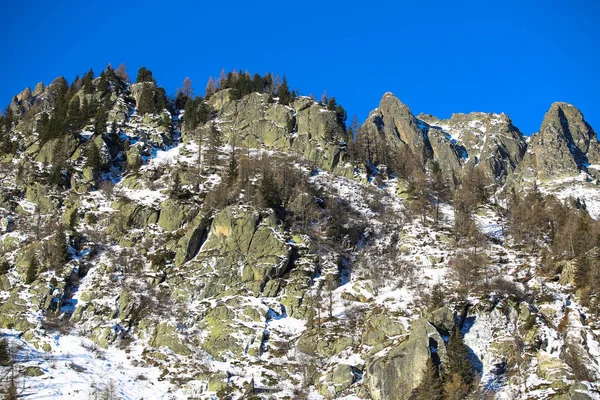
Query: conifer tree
<point>284,92</point>
<point>232,167</point>
<point>190,118</point>
<point>88,86</point>
<point>103,83</point>
<point>93,158</point>
<point>146,105</point>
<point>431,384</point>
<point>100,123</point>
<point>214,142</point>
<point>268,190</point>
<point>144,75</point>
<point>458,358</point>
<point>75,119</point>
<point>59,251</point>
<point>176,188</point>
<point>5,358</point>
<point>32,270</point>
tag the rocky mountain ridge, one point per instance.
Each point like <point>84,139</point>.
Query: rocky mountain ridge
<point>264,253</point>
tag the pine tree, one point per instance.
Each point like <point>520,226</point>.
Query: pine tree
<point>144,75</point>
<point>32,270</point>
<point>458,358</point>
<point>268,190</point>
<point>88,86</point>
<point>431,384</point>
<point>214,142</point>
<point>146,105</point>
<point>59,251</point>
<point>190,118</point>
<point>100,123</point>
<point>103,84</point>
<point>204,111</point>
<point>5,359</point>
<point>284,93</point>
<point>93,158</point>
<point>75,119</point>
<point>176,188</point>
<point>232,167</point>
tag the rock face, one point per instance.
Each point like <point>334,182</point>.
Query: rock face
<point>395,375</point>
<point>565,145</point>
<point>243,249</point>
<point>305,128</point>
<point>394,127</point>
<point>394,123</point>
<point>489,140</point>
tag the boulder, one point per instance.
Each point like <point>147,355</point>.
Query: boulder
<point>325,343</point>
<point>167,336</point>
<point>442,318</point>
<point>396,374</point>
<point>174,214</point>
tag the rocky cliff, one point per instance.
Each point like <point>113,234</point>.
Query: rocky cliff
<point>256,256</point>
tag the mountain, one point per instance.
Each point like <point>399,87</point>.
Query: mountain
<point>249,244</point>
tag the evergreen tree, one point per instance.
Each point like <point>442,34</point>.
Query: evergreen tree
<point>32,270</point>
<point>431,385</point>
<point>88,86</point>
<point>59,251</point>
<point>103,83</point>
<point>93,158</point>
<point>100,123</point>
<point>176,188</point>
<point>232,168</point>
<point>284,93</point>
<point>75,120</point>
<point>204,111</point>
<point>268,190</point>
<point>144,75</point>
<point>190,118</point>
<point>146,105</point>
<point>458,358</point>
<point>160,100</point>
<point>214,142</point>
<point>5,359</point>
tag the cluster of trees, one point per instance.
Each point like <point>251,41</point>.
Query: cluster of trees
<point>452,382</point>
<point>242,84</point>
<point>153,99</point>
<point>563,231</point>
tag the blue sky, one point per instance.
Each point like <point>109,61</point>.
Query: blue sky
<point>438,57</point>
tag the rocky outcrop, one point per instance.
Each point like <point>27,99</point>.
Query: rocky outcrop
<point>489,140</point>
<point>138,88</point>
<point>305,128</point>
<point>396,374</point>
<point>565,145</point>
<point>243,250</point>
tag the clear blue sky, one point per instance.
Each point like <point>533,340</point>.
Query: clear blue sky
<point>438,57</point>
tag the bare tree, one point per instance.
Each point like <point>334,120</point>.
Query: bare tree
<point>121,72</point>
<point>210,87</point>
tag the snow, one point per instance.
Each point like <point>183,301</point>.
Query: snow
<point>146,197</point>
<point>75,368</point>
